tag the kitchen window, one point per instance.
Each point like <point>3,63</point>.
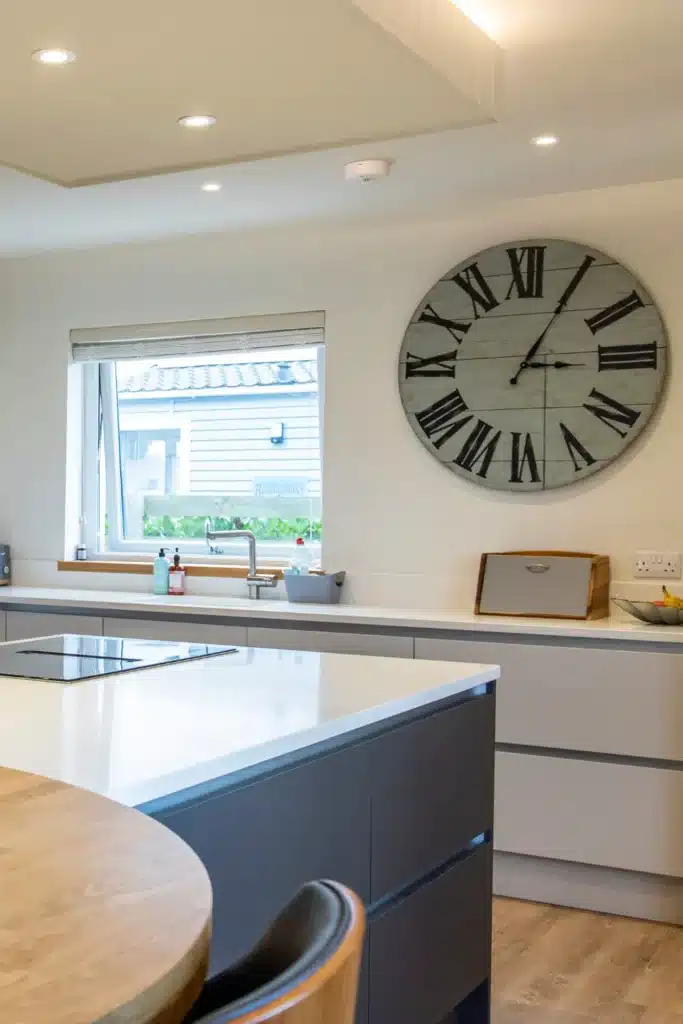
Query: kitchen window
<point>181,433</point>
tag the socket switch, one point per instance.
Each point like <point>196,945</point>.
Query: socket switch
<point>658,565</point>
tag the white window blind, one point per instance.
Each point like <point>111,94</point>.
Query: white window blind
<point>196,337</point>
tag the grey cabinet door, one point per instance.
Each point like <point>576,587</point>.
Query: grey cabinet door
<point>363,1001</point>
<point>429,951</point>
<point>625,816</point>
<point>176,629</point>
<point>26,625</point>
<point>628,703</point>
<point>327,641</point>
<point>432,791</point>
<point>261,842</point>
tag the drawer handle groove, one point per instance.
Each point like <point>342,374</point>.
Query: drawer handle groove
<point>537,567</point>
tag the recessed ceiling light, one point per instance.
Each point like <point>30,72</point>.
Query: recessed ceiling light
<point>545,140</point>
<point>54,56</point>
<point>211,186</point>
<point>483,19</point>
<point>197,120</point>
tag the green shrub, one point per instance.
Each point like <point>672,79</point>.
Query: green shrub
<point>192,527</point>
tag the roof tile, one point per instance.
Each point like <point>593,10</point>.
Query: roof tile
<point>221,375</point>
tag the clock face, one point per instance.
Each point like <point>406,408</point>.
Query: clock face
<point>532,365</point>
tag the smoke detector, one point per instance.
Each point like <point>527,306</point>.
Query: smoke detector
<point>367,170</point>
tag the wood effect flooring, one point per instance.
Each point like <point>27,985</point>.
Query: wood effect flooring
<point>552,965</point>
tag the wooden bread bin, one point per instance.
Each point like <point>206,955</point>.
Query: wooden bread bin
<point>544,584</point>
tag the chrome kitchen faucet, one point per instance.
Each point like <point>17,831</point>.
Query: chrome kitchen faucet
<point>255,580</point>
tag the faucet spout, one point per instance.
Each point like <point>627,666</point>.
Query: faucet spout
<point>255,580</point>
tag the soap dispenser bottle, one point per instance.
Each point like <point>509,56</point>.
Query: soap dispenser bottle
<point>176,576</point>
<point>160,573</point>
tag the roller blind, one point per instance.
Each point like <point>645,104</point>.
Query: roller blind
<point>196,337</point>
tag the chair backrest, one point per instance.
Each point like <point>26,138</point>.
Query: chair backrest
<point>304,970</point>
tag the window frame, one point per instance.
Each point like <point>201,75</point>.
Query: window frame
<point>101,433</point>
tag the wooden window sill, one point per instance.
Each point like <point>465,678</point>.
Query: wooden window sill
<point>146,568</point>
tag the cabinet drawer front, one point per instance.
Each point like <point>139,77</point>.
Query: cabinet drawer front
<point>26,625</point>
<point>261,842</point>
<point>436,774</point>
<point>613,702</point>
<point>536,584</point>
<point>613,815</point>
<point>181,630</point>
<point>431,950</point>
<point>329,642</point>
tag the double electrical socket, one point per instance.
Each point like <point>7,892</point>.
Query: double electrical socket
<point>658,565</point>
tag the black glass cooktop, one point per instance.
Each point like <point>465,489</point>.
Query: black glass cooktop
<point>70,658</point>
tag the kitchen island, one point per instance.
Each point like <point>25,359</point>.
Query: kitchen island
<point>589,716</point>
<point>279,766</point>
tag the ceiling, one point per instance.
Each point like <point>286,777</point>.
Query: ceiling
<point>280,76</point>
<point>605,75</point>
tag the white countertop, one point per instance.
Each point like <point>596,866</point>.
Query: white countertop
<point>620,627</point>
<point>147,734</point>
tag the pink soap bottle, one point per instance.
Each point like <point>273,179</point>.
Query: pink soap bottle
<point>176,576</point>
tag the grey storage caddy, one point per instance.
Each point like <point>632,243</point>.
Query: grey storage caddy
<point>314,588</point>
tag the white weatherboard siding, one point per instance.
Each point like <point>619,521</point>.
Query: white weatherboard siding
<point>409,532</point>
<point>224,443</point>
<point>229,442</point>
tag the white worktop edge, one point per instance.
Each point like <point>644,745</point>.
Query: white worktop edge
<point>296,743</point>
<point>67,733</point>
<point>310,615</point>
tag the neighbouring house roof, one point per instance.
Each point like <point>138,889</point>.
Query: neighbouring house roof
<point>220,375</point>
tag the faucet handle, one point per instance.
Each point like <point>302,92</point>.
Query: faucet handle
<point>259,579</point>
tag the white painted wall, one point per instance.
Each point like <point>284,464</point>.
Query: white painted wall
<point>409,532</point>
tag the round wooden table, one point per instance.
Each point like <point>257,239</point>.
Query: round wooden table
<point>104,913</point>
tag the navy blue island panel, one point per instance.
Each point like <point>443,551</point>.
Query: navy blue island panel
<point>402,812</point>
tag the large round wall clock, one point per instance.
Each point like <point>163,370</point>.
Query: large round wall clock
<point>533,364</point>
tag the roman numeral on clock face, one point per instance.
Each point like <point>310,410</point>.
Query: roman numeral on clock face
<point>611,315</point>
<point>479,448</point>
<point>456,329</point>
<point>527,265</point>
<point>627,357</point>
<point>523,459</point>
<point>444,418</point>
<point>611,412</point>
<point>474,284</point>
<point>577,453</point>
<point>433,366</point>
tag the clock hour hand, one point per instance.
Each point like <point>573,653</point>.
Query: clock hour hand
<point>564,299</point>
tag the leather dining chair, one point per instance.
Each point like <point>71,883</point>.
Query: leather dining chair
<point>303,971</point>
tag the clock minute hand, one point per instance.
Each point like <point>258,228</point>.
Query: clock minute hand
<point>564,299</point>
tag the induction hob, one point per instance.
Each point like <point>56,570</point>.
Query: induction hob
<point>71,657</point>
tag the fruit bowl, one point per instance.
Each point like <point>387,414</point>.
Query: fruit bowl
<point>647,611</point>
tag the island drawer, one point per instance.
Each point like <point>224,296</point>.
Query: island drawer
<point>627,703</point>
<point>430,950</point>
<point>591,812</point>
<point>437,774</point>
<point>262,841</point>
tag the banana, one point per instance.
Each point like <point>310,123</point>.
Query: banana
<point>670,600</point>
